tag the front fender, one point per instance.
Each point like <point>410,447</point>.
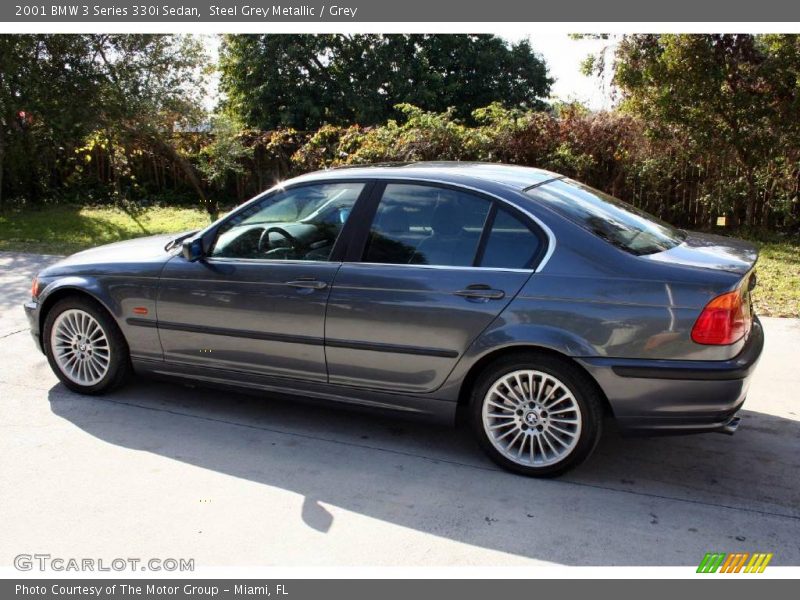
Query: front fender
<point>119,296</point>
<point>77,283</point>
<point>50,292</point>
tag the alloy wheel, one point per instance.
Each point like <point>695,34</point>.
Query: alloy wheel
<point>80,347</point>
<point>532,418</point>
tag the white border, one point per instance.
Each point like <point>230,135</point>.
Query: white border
<point>501,28</point>
<point>543,571</point>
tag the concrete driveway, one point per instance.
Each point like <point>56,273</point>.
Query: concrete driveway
<point>160,470</point>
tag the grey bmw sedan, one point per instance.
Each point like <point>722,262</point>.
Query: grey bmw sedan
<point>528,302</point>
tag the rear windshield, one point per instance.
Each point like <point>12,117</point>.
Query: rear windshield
<point>617,222</point>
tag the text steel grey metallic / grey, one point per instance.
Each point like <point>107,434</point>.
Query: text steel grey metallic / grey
<point>537,305</point>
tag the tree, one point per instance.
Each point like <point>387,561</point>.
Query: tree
<point>59,93</point>
<point>47,86</point>
<point>304,81</point>
<point>225,154</point>
<point>736,95</point>
<point>151,88</point>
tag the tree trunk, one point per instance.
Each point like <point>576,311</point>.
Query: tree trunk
<point>112,161</point>
<point>2,161</point>
<point>752,199</point>
<point>211,206</point>
<point>156,141</point>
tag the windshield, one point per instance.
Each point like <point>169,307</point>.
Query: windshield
<point>617,222</point>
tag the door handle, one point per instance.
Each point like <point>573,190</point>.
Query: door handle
<point>480,291</point>
<point>307,284</point>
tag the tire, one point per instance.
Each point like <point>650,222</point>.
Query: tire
<point>549,431</point>
<point>85,347</point>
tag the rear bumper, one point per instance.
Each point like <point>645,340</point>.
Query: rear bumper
<point>660,397</point>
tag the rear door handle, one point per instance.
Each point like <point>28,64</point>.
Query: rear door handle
<point>481,291</point>
<point>307,284</point>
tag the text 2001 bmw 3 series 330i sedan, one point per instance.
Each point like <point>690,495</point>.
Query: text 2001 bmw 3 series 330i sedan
<point>535,304</point>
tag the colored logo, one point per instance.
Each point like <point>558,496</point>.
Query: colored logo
<point>737,562</point>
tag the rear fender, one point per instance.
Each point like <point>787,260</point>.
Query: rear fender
<point>504,337</point>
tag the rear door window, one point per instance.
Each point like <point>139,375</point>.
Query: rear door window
<point>426,225</point>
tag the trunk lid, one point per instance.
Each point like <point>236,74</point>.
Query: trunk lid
<point>710,251</point>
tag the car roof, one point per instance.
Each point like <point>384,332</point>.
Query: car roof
<point>513,176</point>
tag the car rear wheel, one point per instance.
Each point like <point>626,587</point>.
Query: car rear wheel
<point>536,415</point>
<point>84,346</point>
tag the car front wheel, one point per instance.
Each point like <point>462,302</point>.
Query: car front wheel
<point>536,415</point>
<point>84,346</point>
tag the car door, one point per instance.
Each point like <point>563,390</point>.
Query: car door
<point>256,301</point>
<point>436,266</point>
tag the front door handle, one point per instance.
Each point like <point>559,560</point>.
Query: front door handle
<point>480,291</point>
<point>307,284</point>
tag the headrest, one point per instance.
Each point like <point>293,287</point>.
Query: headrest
<point>393,219</point>
<point>447,219</point>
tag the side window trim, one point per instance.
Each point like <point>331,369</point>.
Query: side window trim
<point>364,221</point>
<point>362,217</point>
<point>353,224</point>
<point>485,233</point>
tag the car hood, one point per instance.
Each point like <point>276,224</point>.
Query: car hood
<point>710,251</point>
<point>146,254</point>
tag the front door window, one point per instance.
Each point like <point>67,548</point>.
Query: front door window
<point>301,223</point>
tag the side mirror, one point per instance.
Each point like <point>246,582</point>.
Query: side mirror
<point>192,249</point>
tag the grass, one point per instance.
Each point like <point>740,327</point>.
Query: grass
<point>778,291</point>
<point>65,229</point>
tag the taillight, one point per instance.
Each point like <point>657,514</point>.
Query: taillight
<point>724,320</point>
<point>35,288</point>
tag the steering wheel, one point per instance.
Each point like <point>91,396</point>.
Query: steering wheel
<point>263,241</point>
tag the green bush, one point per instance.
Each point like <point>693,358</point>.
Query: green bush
<point>608,150</point>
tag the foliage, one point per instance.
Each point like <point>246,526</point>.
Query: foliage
<point>707,128</point>
<point>64,96</point>
<point>305,81</point>
<point>225,153</point>
<point>46,89</point>
<point>732,96</point>
<point>328,146</point>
